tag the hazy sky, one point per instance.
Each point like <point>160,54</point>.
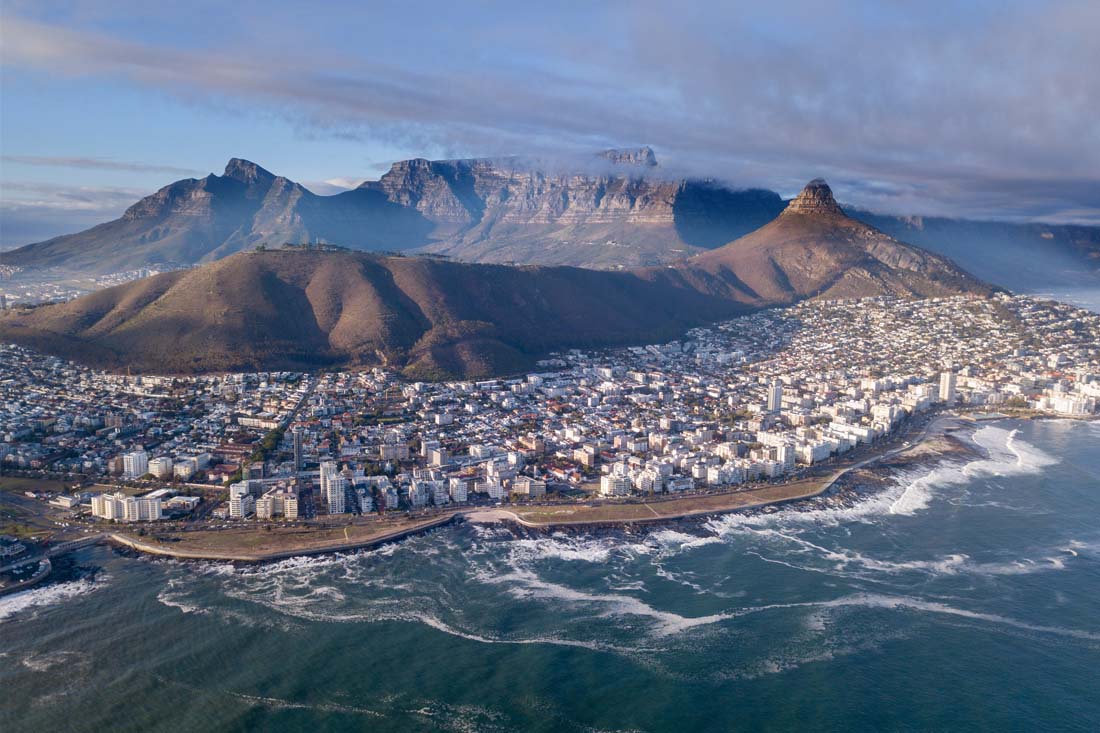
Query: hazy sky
<point>980,109</point>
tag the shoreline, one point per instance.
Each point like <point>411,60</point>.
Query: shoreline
<point>43,571</point>
<point>321,549</point>
<point>818,486</point>
<point>939,426</point>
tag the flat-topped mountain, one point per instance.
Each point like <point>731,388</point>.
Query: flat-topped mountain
<point>614,209</point>
<point>303,308</point>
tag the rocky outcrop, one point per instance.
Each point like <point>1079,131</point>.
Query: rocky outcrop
<point>816,198</point>
<point>611,210</point>
<point>631,156</point>
<point>814,250</point>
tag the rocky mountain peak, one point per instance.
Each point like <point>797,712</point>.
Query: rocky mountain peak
<point>643,156</point>
<point>815,198</point>
<point>246,171</point>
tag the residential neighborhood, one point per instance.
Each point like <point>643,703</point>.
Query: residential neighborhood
<point>755,399</point>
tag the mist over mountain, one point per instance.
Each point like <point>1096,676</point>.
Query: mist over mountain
<point>617,208</point>
<point>1023,257</point>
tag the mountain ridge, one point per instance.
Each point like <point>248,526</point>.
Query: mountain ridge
<point>616,209</point>
<point>432,317</point>
<point>285,309</point>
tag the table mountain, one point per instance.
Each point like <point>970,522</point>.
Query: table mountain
<point>612,210</point>
<point>616,209</point>
<point>303,308</point>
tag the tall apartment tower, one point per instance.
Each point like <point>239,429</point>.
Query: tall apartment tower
<point>136,464</point>
<point>947,387</point>
<point>775,396</point>
<point>335,494</point>
<point>333,486</point>
<point>297,435</point>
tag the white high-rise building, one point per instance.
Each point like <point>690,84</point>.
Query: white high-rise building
<point>161,467</point>
<point>135,464</point>
<point>947,387</point>
<point>241,506</point>
<point>334,494</point>
<point>775,396</point>
<point>614,485</point>
<point>126,508</point>
<point>459,490</point>
<point>290,506</point>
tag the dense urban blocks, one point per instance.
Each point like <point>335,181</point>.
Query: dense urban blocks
<point>760,405</point>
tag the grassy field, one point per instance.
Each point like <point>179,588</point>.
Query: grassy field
<point>21,517</point>
<point>254,542</point>
<point>665,509</point>
<point>19,485</point>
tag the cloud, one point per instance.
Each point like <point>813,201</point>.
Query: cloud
<point>33,211</point>
<point>97,164</point>
<point>992,109</point>
<point>331,186</point>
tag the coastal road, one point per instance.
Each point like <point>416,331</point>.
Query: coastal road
<point>936,421</point>
<point>55,551</point>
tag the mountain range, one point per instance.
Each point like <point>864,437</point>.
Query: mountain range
<point>303,308</point>
<point>617,209</point>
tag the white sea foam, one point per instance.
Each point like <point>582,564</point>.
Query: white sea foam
<point>907,603</point>
<point>438,625</point>
<point>671,542</point>
<point>276,703</point>
<point>47,595</point>
<point>43,662</point>
<point>559,547</point>
<point>1008,456</point>
<point>526,584</point>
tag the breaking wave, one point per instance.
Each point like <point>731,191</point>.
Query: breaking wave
<point>1008,456</point>
<point>47,595</point>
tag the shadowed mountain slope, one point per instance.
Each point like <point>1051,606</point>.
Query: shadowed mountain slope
<point>308,309</point>
<point>813,249</point>
<point>616,209</point>
<point>613,210</point>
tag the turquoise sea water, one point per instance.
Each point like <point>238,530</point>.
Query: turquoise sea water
<point>966,596</point>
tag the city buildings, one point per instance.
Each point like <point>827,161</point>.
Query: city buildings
<point>125,508</point>
<point>135,464</point>
<point>757,398</point>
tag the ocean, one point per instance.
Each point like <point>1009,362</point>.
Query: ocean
<point>963,596</point>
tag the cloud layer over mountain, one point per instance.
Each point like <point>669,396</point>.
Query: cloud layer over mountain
<point>987,111</point>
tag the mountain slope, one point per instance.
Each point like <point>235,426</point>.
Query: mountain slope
<point>307,309</point>
<point>613,210</point>
<point>304,308</point>
<point>1020,256</point>
<point>618,214</point>
<point>813,249</point>
<point>201,220</point>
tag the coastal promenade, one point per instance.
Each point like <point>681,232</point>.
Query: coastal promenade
<point>253,545</point>
<point>549,518</point>
<point>250,545</point>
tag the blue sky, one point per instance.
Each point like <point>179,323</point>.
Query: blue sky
<point>980,109</point>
